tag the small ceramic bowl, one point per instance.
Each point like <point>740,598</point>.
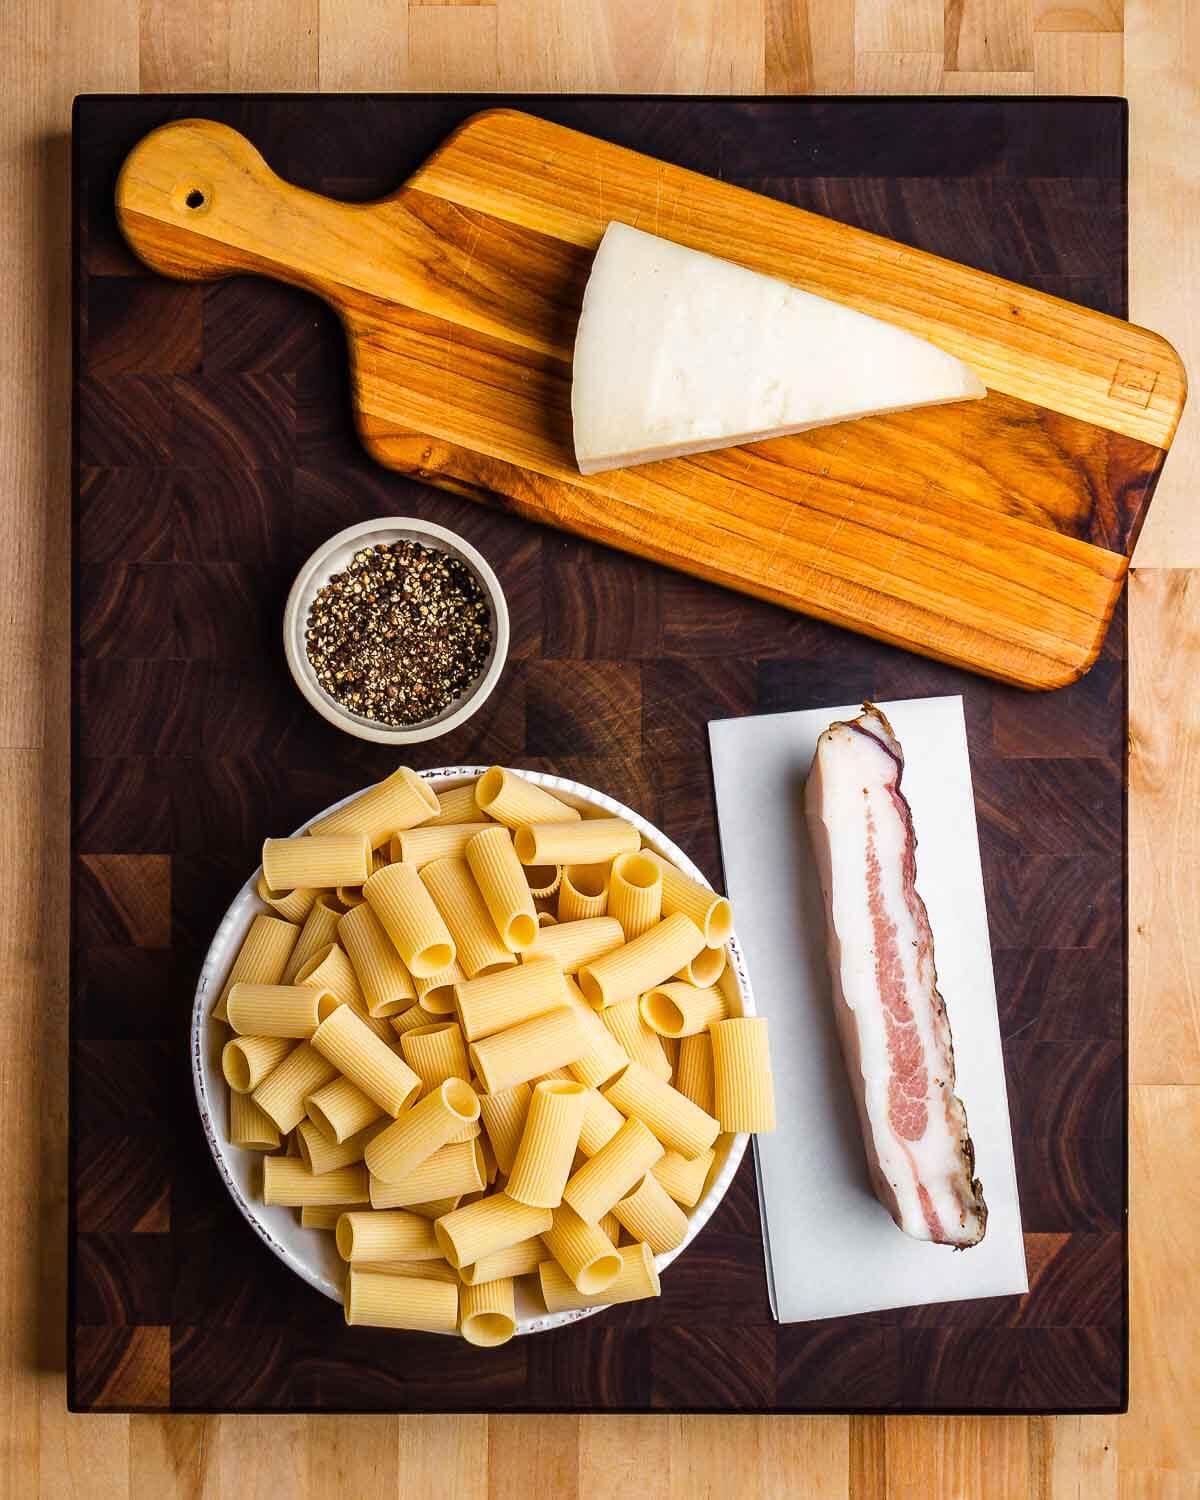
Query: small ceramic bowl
<point>334,557</point>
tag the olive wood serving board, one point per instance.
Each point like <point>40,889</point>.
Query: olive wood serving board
<point>994,535</point>
<point>214,450</point>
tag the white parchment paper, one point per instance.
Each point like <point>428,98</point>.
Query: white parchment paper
<point>831,1248</point>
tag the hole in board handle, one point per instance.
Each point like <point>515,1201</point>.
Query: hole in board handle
<point>195,199</point>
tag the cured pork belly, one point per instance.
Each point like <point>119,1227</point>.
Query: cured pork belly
<point>894,1029</point>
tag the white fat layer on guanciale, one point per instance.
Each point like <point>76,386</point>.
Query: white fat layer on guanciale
<point>855,776</point>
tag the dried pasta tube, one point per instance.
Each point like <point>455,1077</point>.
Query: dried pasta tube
<point>436,1052</point>
<point>678,1123</point>
<point>250,1127</point>
<point>495,1001</point>
<point>283,1092</point>
<point>548,1142</point>
<point>678,1009</point>
<point>421,1270</point>
<point>433,1208</point>
<point>321,1156</point>
<point>449,1173</point>
<point>684,1177</point>
<point>422,1130</point>
<point>704,969</point>
<point>340,1109</point>
<point>421,846</point>
<point>583,892</point>
<point>401,800</point>
<point>637,1040</point>
<point>518,1260</point>
<point>591,841</point>
<point>292,906</point>
<point>528,1050</point>
<point>386,985</point>
<point>744,1089</point>
<point>274,1010</point>
<point>639,966</point>
<point>288,1182</point>
<point>710,912</point>
<point>635,894</point>
<point>404,906</point>
<point>247,1060</point>
<point>319,931</point>
<point>501,880</point>
<point>513,801</point>
<point>262,958</point>
<point>487,1226</point>
<point>605,1056</point>
<point>457,805</point>
<point>411,1019</point>
<point>649,1213</point>
<point>378,1299</point>
<point>345,1039</point>
<point>322,1215</point>
<point>638,1278</point>
<point>315,860</point>
<point>573,944</point>
<point>392,1234</point>
<point>486,1314</point>
<point>601,1121</point>
<point>330,969</point>
<point>616,1167</point>
<point>584,1252</point>
<point>436,991</point>
<point>504,1114</point>
<point>543,881</point>
<point>696,1071</point>
<point>610,1227</point>
<point>458,898</point>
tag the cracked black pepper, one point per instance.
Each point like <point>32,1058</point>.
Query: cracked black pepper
<point>400,634</point>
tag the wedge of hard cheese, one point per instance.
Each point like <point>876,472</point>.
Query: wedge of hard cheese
<point>679,352</point>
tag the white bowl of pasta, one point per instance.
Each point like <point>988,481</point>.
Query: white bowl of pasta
<point>312,1252</point>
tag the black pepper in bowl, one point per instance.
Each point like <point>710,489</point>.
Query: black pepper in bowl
<point>400,634</point>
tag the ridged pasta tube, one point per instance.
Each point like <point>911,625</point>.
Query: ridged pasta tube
<point>487,1226</point>
<point>591,841</point>
<point>486,1314</point>
<point>548,1142</point>
<point>649,1213</point>
<point>501,880</point>
<point>743,1086</point>
<point>247,1060</point>
<point>513,801</point>
<point>386,985</point>
<point>319,931</point>
<point>495,1001</point>
<point>679,1009</point>
<point>391,1234</point>
<point>354,1049</point>
<point>584,1252</point>
<point>262,959</point>
<point>400,800</point>
<point>637,1040</point>
<point>583,892</point>
<point>340,1109</point>
<point>710,912</point>
<point>477,943</point>
<point>638,966</point>
<point>410,918</point>
<point>678,1123</point>
<point>422,1130</point>
<point>606,1177</point>
<point>421,846</point>
<point>378,1299</point>
<point>637,1278</point>
<point>527,1051</point>
<point>316,860</point>
<point>285,1090</point>
<point>573,944</point>
<point>635,894</point>
<point>684,1177</point>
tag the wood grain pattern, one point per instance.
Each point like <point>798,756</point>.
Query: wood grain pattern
<point>887,526</point>
<point>175,644</point>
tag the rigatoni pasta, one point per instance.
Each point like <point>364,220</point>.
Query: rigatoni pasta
<point>649,1213</point>
<point>407,912</point>
<point>436,991</point>
<point>637,1279</point>
<point>401,800</point>
<point>526,1051</point>
<point>274,1010</point>
<point>486,1313</point>
<point>742,1082</point>
<point>455,894</point>
<point>450,1172</point>
<point>422,1130</point>
<point>694,1076</point>
<point>385,1234</point>
<point>495,1001</point>
<point>246,1060</point>
<point>684,1177</point>
<point>262,958</point>
<point>605,1057</point>
<point>601,1121</point>
<point>635,894</point>
<point>292,906</point>
<point>703,969</point>
<point>504,1112</point>
<point>637,1041</point>
<point>678,1009</point>
<point>573,944</point>
<point>319,931</point>
<point>517,1260</point>
<point>678,1123</point>
<point>349,1044</point>
<point>320,1155</point>
<point>638,966</point>
<point>386,985</point>
<point>487,1226</point>
<point>587,842</point>
<point>710,912</point>
<point>543,880</point>
<point>584,1252</point>
<point>340,1109</point>
<point>548,1142</point>
<point>582,892</point>
<point>457,805</point>
<point>436,1052</point>
<point>421,846</point>
<point>250,1126</point>
<point>513,801</point>
<point>501,880</point>
<point>606,1177</point>
<point>316,860</point>
<point>378,1299</point>
<point>287,1181</point>
<point>283,1092</point>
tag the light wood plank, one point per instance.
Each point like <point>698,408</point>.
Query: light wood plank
<point>987,1458</point>
<point>982,35</point>
<point>916,26</point>
<point>1077,15</point>
<point>363,44</point>
<point>987,83</point>
<point>445,1456</point>
<point>898,72</point>
<point>1164,833</point>
<point>679,47</point>
<point>809,47</point>
<point>169,1457</point>
<point>354,1456</point>
<point>533,1456</point>
<point>273,44</point>
<point>1074,62</point>
<point>452,47</point>
<point>766,1455</point>
<point>624,1457</point>
<point>184,42</point>
<point>1159,1455</point>
<point>1162,77</point>
<point>545,44</point>
<point>1079,1457</point>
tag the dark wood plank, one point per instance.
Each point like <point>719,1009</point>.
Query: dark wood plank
<point>215,451</point>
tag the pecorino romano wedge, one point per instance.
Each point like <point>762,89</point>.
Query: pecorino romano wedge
<point>894,1029</point>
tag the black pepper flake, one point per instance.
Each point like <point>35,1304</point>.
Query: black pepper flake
<point>400,634</point>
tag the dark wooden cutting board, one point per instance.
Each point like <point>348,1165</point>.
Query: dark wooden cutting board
<point>214,450</point>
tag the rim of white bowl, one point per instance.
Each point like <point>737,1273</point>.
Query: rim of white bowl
<point>246,904</point>
<point>390,528</point>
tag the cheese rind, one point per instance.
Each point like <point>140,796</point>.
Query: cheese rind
<point>680,352</point>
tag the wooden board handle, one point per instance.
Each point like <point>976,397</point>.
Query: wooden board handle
<point>197,201</point>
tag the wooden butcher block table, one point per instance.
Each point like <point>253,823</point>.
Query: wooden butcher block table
<point>216,448</point>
